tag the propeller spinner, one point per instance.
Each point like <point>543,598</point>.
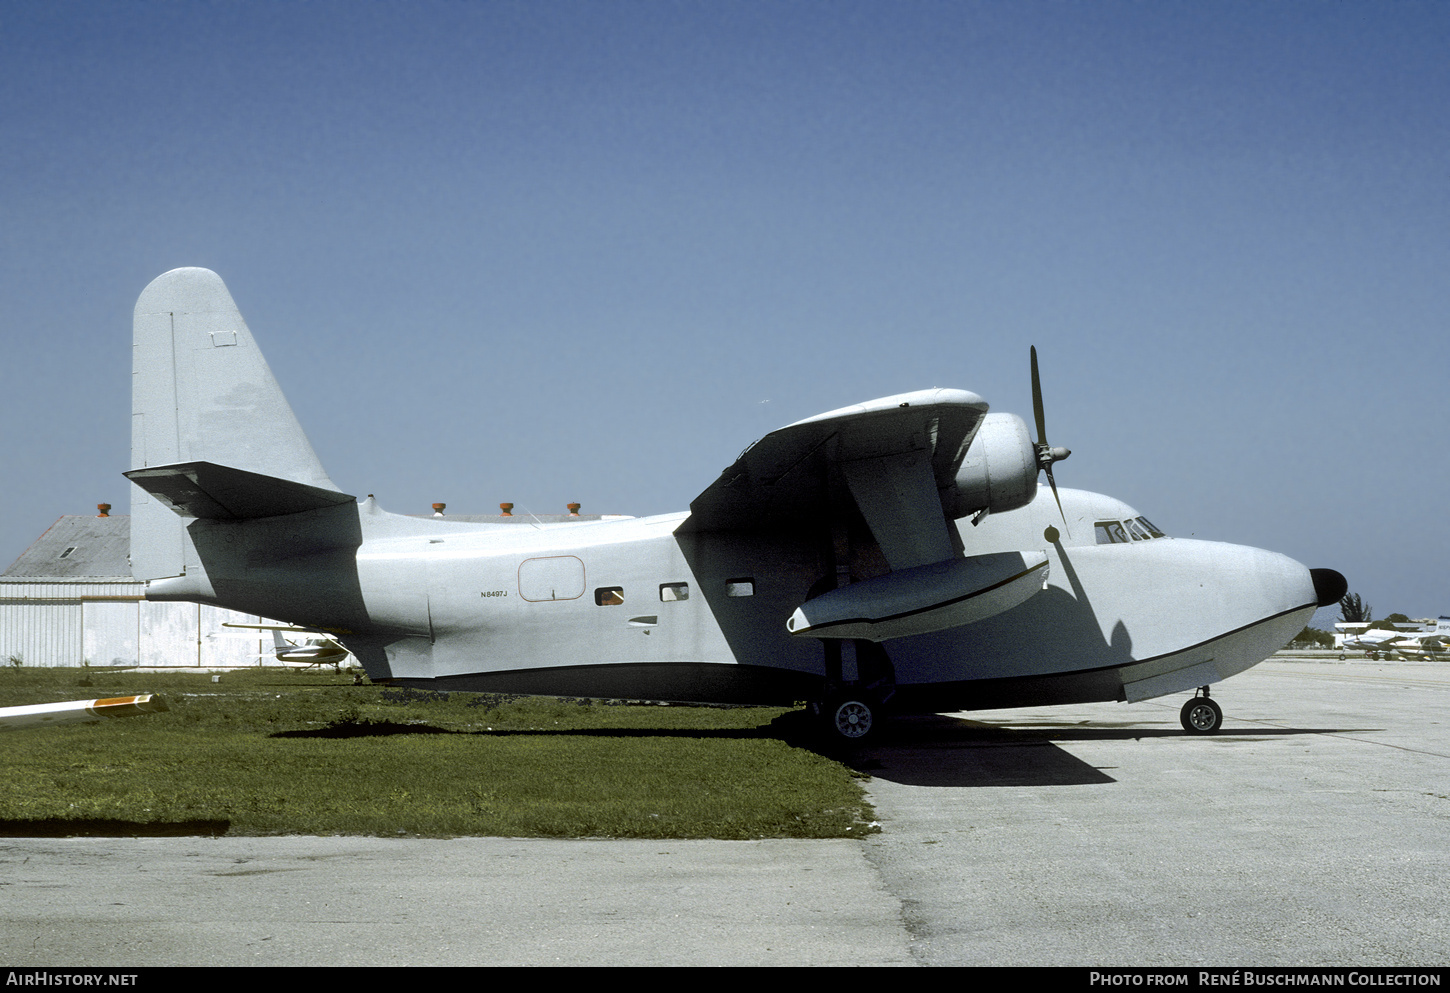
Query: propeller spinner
<point>1046,454</point>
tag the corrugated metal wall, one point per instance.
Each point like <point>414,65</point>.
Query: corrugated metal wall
<point>102,623</point>
<point>111,631</point>
<point>41,632</point>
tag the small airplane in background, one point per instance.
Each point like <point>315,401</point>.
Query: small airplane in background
<point>1405,642</point>
<point>317,649</point>
<point>79,711</point>
<point>885,557</point>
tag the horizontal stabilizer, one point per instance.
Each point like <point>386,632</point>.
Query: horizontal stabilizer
<point>221,493</point>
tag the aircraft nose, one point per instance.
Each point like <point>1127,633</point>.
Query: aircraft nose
<point>1329,586</point>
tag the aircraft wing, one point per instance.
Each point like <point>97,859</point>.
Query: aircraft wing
<point>889,460</point>
<point>79,711</point>
<point>891,456</point>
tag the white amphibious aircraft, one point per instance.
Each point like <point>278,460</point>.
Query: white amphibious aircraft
<point>886,556</point>
<point>1408,643</point>
<point>317,649</point>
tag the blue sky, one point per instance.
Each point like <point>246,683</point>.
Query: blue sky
<point>545,252</point>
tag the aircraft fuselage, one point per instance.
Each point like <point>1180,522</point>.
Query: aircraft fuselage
<point>641,608</point>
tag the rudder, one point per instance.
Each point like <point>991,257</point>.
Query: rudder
<point>202,393</point>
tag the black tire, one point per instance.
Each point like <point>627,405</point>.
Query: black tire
<point>851,718</point>
<point>1201,716</point>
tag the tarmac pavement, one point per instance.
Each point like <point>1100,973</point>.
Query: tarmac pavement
<point>1314,830</point>
<point>468,901</point>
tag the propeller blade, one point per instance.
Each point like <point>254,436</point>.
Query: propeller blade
<point>1053,483</point>
<point>1045,454</point>
<point>1037,401</point>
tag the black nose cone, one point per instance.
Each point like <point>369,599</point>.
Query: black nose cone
<point>1329,586</point>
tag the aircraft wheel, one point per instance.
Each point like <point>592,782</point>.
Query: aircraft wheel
<point>850,718</point>
<point>1201,716</point>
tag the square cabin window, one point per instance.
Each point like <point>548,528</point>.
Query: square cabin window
<point>740,587</point>
<point>674,591</point>
<point>609,596</point>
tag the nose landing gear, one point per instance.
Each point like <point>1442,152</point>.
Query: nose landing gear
<point>1201,715</point>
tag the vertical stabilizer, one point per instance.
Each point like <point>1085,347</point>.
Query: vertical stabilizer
<point>202,392</point>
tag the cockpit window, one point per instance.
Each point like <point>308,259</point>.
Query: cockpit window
<point>1122,532</point>
<point>1111,533</point>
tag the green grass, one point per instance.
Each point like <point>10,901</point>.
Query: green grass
<point>270,751</point>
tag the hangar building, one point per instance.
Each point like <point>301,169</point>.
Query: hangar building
<point>70,600</point>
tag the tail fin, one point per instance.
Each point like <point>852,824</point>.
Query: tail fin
<point>211,433</point>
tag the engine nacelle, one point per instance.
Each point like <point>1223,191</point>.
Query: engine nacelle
<point>999,472</point>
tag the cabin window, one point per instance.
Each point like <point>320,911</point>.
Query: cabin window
<point>609,596</point>
<point>553,577</point>
<point>674,591</point>
<point>740,587</point>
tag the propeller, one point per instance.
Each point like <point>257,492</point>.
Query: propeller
<point>1046,455</point>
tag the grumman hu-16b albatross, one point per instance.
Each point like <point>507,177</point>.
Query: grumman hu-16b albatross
<point>884,557</point>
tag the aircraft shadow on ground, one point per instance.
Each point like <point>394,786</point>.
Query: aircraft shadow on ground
<point>936,750</point>
<point>930,750</point>
<point>373,729</point>
<point>973,762</point>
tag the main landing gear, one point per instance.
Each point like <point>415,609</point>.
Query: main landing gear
<point>1201,715</point>
<point>850,717</point>
<point>853,710</point>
